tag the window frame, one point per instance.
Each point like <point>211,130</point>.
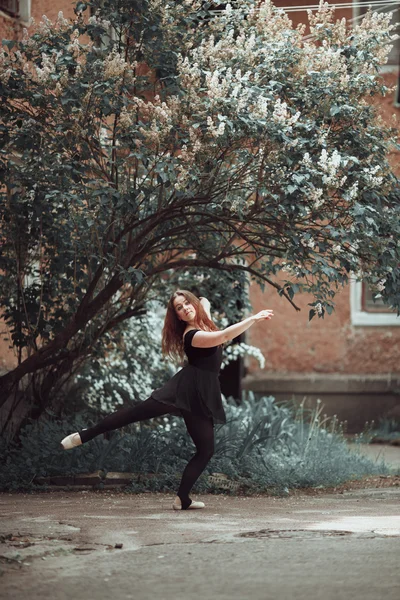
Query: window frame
<point>23,13</point>
<point>11,13</point>
<point>360,317</point>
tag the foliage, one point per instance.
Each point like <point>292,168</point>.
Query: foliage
<point>387,430</point>
<point>130,368</point>
<point>186,140</point>
<point>263,446</point>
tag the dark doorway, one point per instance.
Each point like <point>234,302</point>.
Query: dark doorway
<point>231,376</point>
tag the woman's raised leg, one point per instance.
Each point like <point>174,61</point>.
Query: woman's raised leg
<point>148,409</point>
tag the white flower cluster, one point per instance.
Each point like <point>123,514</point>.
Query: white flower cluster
<point>104,136</point>
<point>307,242</point>
<point>114,65</point>
<point>61,21</point>
<point>233,352</point>
<point>45,26</point>
<point>353,191</point>
<point>330,165</point>
<point>316,197</point>
<point>122,371</point>
<point>157,118</point>
<point>381,285</point>
<point>260,109</point>
<point>272,21</point>
<point>374,31</point>
<point>96,20</point>
<point>190,74</point>
<point>220,129</point>
<point>281,114</point>
<point>326,60</point>
<point>226,84</point>
<point>370,176</point>
<point>5,70</point>
<point>74,47</point>
<point>318,308</point>
<point>126,119</point>
<point>48,67</point>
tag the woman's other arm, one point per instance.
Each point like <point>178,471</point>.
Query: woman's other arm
<point>208,339</point>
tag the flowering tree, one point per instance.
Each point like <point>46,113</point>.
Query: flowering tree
<point>189,139</point>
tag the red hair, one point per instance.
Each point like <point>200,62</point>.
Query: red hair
<point>172,342</point>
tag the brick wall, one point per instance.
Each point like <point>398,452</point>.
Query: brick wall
<point>292,344</point>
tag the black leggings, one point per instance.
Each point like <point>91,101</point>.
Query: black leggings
<point>200,429</point>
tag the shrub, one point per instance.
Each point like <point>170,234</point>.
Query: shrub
<point>263,446</point>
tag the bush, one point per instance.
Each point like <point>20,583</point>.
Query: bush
<point>386,431</point>
<point>263,446</point>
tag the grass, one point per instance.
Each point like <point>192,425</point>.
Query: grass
<point>264,446</point>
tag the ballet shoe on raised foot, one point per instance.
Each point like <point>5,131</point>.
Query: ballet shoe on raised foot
<point>71,441</point>
<point>177,505</point>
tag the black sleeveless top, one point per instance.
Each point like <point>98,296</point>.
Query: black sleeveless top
<point>195,388</point>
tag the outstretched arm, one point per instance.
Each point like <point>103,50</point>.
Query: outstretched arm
<point>208,339</point>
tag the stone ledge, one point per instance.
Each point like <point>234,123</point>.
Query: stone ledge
<point>79,479</point>
<point>116,479</point>
<point>89,480</point>
<point>320,383</point>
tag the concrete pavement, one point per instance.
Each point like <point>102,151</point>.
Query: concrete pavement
<point>101,545</point>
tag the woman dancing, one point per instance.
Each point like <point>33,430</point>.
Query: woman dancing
<point>194,391</point>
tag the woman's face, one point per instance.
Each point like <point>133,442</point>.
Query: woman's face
<point>184,309</point>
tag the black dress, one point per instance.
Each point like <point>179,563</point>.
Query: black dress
<point>195,387</point>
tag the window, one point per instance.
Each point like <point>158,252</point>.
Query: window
<point>371,305</point>
<point>20,9</point>
<point>11,7</point>
<point>364,311</point>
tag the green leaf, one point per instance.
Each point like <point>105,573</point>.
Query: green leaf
<point>80,6</point>
<point>9,43</point>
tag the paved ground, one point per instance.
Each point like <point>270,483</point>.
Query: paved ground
<point>64,545</point>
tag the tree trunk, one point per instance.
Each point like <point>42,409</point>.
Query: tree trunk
<point>51,354</point>
<point>30,403</point>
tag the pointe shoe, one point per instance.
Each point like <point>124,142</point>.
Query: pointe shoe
<point>71,441</point>
<point>177,505</point>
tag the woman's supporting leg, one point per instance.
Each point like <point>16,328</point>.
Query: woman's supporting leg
<point>148,409</point>
<point>201,430</point>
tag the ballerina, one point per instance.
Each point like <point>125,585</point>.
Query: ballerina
<point>194,392</point>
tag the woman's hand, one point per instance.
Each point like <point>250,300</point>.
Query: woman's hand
<point>263,315</point>
<point>204,300</point>
<point>206,305</point>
